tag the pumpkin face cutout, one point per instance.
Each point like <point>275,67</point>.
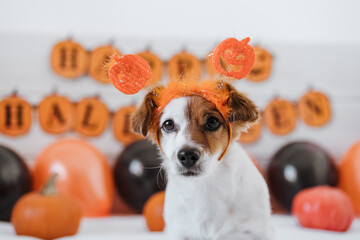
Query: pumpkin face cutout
<point>262,66</point>
<point>184,66</point>
<point>69,59</point>
<point>280,116</point>
<point>238,57</point>
<point>56,114</point>
<point>91,117</point>
<point>252,134</point>
<point>98,60</point>
<point>155,64</point>
<point>122,128</point>
<point>15,116</point>
<point>315,109</point>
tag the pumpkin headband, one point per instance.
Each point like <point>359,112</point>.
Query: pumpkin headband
<point>215,92</point>
<point>130,73</point>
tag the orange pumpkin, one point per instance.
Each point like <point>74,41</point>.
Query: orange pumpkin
<point>56,114</point>
<point>69,59</point>
<point>121,125</point>
<point>99,58</point>
<point>349,175</point>
<point>15,116</point>
<point>156,66</point>
<point>315,109</point>
<point>280,116</point>
<point>153,212</point>
<point>262,66</point>
<point>184,66</point>
<point>252,134</point>
<point>91,117</point>
<point>46,215</point>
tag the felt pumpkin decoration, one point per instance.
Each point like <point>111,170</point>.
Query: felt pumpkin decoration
<point>252,135</point>
<point>99,58</point>
<point>121,125</point>
<point>91,117</point>
<point>153,212</point>
<point>56,114</point>
<point>155,64</point>
<point>129,73</point>
<point>262,66</point>
<point>15,116</point>
<point>46,215</point>
<point>280,116</point>
<point>184,66</point>
<point>314,108</point>
<point>69,59</point>
<point>234,58</point>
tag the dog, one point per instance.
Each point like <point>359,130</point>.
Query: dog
<point>214,191</point>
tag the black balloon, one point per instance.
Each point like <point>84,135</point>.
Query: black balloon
<point>15,181</point>
<point>297,166</point>
<point>137,173</point>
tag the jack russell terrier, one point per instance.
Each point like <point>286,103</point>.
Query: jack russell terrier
<point>214,191</point>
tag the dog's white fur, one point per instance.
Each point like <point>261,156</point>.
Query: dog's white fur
<point>228,200</point>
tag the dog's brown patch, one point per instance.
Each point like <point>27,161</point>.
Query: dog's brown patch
<point>197,112</point>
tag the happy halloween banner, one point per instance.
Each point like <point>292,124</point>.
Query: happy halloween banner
<point>90,116</point>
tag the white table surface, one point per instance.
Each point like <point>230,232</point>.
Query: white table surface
<point>133,228</point>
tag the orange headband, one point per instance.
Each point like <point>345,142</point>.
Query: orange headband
<point>213,91</point>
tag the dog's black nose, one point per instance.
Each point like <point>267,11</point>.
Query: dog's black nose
<point>188,157</point>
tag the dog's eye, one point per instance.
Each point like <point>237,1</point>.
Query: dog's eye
<point>212,124</point>
<point>168,126</point>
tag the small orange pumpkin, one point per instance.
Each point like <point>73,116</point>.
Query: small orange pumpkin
<point>262,66</point>
<point>153,212</point>
<point>91,117</point>
<point>69,59</point>
<point>280,116</point>
<point>156,66</point>
<point>252,134</point>
<point>99,58</point>
<point>121,125</point>
<point>184,66</point>
<point>15,116</point>
<point>56,114</point>
<point>315,108</point>
<point>46,215</point>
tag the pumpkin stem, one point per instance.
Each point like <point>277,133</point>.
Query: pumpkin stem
<point>49,187</point>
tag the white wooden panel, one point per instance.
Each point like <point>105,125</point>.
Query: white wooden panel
<point>334,69</point>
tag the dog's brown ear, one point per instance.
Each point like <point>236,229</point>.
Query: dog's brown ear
<point>243,110</point>
<point>141,120</point>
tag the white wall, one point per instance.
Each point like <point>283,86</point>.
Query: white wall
<point>310,21</point>
<point>314,43</point>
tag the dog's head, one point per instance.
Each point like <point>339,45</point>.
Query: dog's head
<point>191,130</point>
